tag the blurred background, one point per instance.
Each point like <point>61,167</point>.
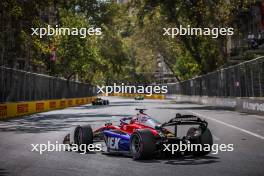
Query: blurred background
<point>132,47</point>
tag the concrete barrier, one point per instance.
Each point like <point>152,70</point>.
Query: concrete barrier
<point>14,109</point>
<point>249,105</point>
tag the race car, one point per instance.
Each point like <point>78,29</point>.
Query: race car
<point>100,101</point>
<point>139,97</point>
<point>143,137</point>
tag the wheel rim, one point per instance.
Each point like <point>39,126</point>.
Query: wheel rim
<point>135,144</point>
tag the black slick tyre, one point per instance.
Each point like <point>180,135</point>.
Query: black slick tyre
<point>205,140</point>
<point>142,144</point>
<point>83,135</point>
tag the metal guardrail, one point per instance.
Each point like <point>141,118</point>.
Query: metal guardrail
<point>17,85</point>
<point>243,80</point>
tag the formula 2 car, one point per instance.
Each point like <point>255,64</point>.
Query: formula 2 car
<point>139,97</point>
<point>100,101</point>
<point>142,137</point>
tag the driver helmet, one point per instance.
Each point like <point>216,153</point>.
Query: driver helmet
<point>142,118</point>
<point>134,119</point>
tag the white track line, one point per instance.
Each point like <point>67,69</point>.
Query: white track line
<point>229,125</point>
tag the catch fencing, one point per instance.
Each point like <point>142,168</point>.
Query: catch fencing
<point>17,85</point>
<point>243,80</point>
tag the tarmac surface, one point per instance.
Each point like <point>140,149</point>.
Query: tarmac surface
<point>244,131</point>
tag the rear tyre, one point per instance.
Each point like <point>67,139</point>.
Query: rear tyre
<point>83,136</point>
<point>202,137</point>
<point>142,144</point>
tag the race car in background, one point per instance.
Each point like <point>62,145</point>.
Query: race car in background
<point>139,97</point>
<point>142,137</point>
<point>100,101</point>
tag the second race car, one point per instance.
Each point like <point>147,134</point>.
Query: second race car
<point>139,97</point>
<point>100,101</point>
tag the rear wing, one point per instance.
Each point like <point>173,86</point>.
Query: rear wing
<point>185,120</point>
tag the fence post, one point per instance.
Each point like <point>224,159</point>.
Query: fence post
<point>260,64</point>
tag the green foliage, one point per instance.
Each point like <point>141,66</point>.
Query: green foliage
<point>130,42</point>
<point>204,51</point>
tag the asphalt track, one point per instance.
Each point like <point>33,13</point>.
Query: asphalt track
<point>245,131</point>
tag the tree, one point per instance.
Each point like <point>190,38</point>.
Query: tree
<point>203,52</point>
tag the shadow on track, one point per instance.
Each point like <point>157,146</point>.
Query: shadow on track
<point>40,123</point>
<point>111,104</point>
<point>193,160</point>
<point>3,172</point>
<point>198,108</point>
<point>59,120</point>
<point>186,160</point>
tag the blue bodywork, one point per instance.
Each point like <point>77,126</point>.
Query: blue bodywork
<point>116,141</point>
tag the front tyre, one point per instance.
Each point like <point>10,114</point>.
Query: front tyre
<point>83,135</point>
<point>142,144</point>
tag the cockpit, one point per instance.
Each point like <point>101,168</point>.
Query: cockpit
<point>146,120</point>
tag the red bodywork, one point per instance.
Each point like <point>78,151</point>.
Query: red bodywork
<point>126,128</point>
